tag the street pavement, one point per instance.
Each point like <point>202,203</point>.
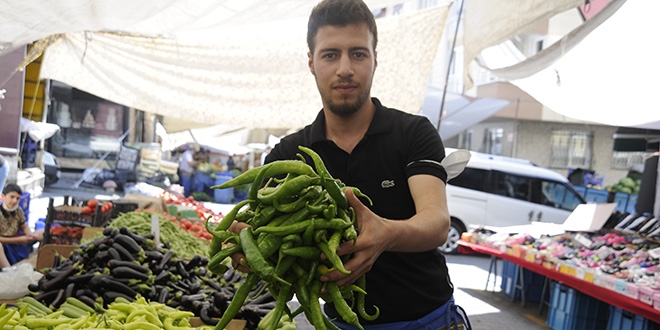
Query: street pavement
<point>486,309</point>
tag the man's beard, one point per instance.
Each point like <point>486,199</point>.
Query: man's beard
<point>345,108</point>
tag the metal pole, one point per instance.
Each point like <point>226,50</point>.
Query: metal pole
<point>451,59</point>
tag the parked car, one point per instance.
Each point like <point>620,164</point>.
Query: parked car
<point>503,191</point>
<point>51,168</point>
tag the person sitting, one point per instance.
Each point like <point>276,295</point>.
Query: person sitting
<point>15,234</point>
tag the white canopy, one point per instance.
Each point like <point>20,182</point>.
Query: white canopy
<point>236,63</point>
<point>243,62</point>
<point>601,72</point>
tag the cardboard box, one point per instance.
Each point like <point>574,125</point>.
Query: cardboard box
<point>47,254</point>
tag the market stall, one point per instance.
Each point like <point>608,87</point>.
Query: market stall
<point>611,271</point>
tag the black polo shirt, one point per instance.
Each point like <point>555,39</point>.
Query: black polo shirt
<point>397,145</point>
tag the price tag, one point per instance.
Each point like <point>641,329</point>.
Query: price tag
<point>155,228</point>
<point>584,240</point>
<point>655,253</point>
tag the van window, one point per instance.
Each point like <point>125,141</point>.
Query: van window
<point>510,185</point>
<point>471,178</point>
<point>555,194</point>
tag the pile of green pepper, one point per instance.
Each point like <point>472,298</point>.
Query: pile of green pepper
<point>296,213</point>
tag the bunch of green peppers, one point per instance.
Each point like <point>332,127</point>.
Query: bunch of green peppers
<point>297,214</point>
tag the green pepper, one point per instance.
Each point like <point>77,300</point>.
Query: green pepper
<point>341,306</point>
<point>306,252</point>
<point>329,182</point>
<point>299,227</point>
<point>360,300</point>
<point>224,224</point>
<point>289,188</point>
<point>237,301</point>
<point>278,167</point>
<point>333,258</point>
<point>255,259</point>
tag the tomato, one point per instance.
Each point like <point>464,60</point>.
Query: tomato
<point>92,203</point>
<point>186,224</point>
<point>87,209</point>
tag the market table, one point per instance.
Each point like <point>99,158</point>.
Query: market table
<point>603,294</point>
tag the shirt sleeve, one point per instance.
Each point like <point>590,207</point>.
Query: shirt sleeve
<point>426,151</point>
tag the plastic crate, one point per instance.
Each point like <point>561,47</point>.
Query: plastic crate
<point>621,200</point>
<point>596,195</point>
<point>580,190</point>
<point>532,281</point>
<point>620,319</point>
<point>29,152</point>
<point>632,203</point>
<point>24,204</point>
<point>573,310</point>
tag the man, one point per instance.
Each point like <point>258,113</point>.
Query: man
<point>394,158</point>
<point>187,169</point>
<point>15,234</point>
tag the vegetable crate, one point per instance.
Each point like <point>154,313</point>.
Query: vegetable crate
<point>573,310</point>
<point>73,215</point>
<point>532,282</point>
<point>623,320</point>
<point>65,223</point>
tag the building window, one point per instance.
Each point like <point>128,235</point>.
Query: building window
<point>423,4</point>
<point>494,140</point>
<point>570,149</point>
<point>625,160</point>
<point>467,139</point>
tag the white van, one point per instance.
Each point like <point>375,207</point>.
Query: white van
<point>503,191</point>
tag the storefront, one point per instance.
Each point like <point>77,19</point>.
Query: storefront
<point>91,128</point>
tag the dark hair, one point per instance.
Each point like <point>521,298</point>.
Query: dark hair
<point>340,13</point>
<point>12,187</point>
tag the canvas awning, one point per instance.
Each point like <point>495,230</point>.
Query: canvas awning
<point>604,77</point>
<point>240,64</point>
<point>459,111</point>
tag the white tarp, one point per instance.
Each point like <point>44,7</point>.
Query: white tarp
<point>247,77</point>
<point>459,112</point>
<point>606,78</point>
<point>488,23</point>
<point>26,21</point>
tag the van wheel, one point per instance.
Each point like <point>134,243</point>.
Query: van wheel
<point>451,246</point>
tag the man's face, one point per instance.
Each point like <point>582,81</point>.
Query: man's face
<point>11,199</point>
<point>343,64</point>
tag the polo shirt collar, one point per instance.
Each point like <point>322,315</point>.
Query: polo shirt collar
<point>379,124</point>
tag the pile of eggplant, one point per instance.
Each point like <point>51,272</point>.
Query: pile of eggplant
<point>123,264</point>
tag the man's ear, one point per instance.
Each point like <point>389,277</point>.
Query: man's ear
<point>310,62</point>
<point>375,60</point>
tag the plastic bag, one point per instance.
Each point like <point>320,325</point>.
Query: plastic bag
<point>14,280</point>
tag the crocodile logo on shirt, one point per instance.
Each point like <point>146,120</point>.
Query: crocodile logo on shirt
<point>387,183</point>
